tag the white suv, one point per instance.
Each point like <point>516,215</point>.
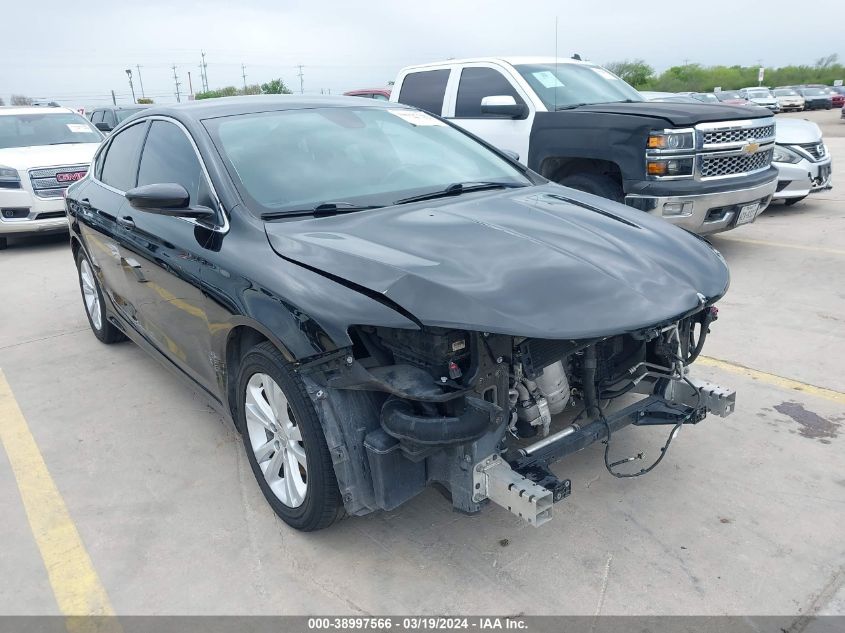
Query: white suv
<point>42,151</point>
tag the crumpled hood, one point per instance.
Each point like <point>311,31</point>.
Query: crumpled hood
<point>48,155</point>
<point>795,131</point>
<point>679,114</point>
<point>524,262</point>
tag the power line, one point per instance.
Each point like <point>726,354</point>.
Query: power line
<point>176,80</point>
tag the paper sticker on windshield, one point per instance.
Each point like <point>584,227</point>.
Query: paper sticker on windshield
<point>78,128</point>
<point>417,118</point>
<point>605,74</point>
<point>548,79</point>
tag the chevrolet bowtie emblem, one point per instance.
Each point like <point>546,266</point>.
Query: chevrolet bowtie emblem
<point>750,147</point>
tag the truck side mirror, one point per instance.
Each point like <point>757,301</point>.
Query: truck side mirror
<point>504,106</point>
<point>103,126</point>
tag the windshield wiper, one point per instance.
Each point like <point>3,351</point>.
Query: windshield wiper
<point>322,210</point>
<point>457,188</point>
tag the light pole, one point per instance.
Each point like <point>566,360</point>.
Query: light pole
<point>131,87</point>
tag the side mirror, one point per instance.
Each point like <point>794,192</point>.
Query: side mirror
<point>503,105</point>
<point>167,198</point>
<point>103,126</point>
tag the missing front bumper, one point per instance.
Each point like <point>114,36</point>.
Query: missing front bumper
<point>525,486</point>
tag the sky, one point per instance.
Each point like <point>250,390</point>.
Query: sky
<point>78,53</point>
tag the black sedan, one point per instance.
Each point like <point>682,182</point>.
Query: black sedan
<point>380,302</point>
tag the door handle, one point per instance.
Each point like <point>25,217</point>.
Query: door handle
<point>126,222</point>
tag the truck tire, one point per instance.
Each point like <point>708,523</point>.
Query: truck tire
<point>284,441</point>
<point>597,184</point>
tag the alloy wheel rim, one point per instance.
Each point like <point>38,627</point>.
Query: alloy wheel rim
<point>90,294</point>
<point>276,440</point>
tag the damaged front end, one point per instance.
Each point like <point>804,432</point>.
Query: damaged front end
<point>483,415</point>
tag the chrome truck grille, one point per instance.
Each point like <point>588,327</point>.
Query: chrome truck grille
<point>734,148</point>
<point>715,166</point>
<point>49,182</point>
<point>738,135</point>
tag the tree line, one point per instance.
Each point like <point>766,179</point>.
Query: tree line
<point>698,78</point>
<point>273,87</point>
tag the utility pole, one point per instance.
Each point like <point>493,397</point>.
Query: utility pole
<point>176,80</point>
<point>131,87</point>
<point>204,68</point>
<point>301,82</point>
<point>243,74</point>
<point>190,86</point>
<point>113,100</point>
<point>140,81</point>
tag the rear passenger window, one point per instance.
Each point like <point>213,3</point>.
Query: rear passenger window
<point>477,83</point>
<point>170,157</point>
<point>121,162</point>
<point>425,90</point>
<point>97,117</point>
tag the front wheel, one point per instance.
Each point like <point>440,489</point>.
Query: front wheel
<point>284,441</point>
<point>95,307</point>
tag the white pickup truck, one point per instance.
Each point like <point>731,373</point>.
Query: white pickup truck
<point>704,167</point>
<point>42,151</point>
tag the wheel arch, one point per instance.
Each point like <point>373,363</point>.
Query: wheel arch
<point>556,168</point>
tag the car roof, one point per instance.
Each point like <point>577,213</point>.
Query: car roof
<point>122,107</point>
<point>229,106</point>
<point>10,110</point>
<point>512,60</point>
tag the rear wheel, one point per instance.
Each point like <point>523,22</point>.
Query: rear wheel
<point>95,307</point>
<point>284,441</point>
<point>597,184</point>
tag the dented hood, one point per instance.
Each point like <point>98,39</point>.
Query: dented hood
<point>545,261</point>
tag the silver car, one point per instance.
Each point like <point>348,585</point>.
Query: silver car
<point>762,97</point>
<point>802,160</point>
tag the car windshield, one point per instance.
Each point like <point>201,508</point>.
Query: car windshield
<point>48,128</point>
<point>814,92</point>
<point>759,94</point>
<point>298,159</point>
<point>125,113</point>
<point>785,92</point>
<point>724,95</point>
<point>567,84</point>
<point>706,97</point>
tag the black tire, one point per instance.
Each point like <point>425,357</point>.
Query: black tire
<point>106,332</point>
<point>790,201</point>
<point>597,184</point>
<point>322,504</point>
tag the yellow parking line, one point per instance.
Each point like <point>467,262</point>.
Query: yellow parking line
<point>773,379</point>
<point>799,247</point>
<point>74,580</point>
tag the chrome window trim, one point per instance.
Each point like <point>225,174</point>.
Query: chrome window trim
<point>224,228</point>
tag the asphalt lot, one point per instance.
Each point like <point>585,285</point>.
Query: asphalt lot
<point>743,517</point>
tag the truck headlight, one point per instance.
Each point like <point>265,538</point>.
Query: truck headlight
<point>669,140</point>
<point>783,155</point>
<point>9,178</point>
<point>669,167</point>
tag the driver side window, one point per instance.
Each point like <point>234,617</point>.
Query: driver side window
<point>477,83</point>
<point>169,156</point>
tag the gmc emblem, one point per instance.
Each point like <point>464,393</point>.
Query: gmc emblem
<point>70,176</point>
